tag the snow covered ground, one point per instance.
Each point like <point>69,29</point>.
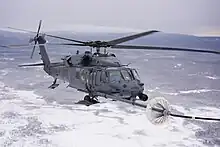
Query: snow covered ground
<point>33,115</point>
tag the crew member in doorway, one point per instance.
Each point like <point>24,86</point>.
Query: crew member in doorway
<point>86,59</point>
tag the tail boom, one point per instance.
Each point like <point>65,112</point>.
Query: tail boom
<point>43,53</point>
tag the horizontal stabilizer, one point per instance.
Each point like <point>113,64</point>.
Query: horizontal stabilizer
<point>34,64</point>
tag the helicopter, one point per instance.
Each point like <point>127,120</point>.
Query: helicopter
<point>101,74</point>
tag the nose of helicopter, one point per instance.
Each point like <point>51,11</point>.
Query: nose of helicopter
<point>137,88</point>
<point>129,88</point>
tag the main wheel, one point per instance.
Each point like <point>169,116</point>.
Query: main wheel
<point>143,97</point>
<point>87,98</point>
<point>113,55</point>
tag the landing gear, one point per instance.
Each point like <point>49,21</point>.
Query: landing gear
<point>143,97</point>
<point>88,101</point>
<point>92,100</point>
<point>87,98</point>
<point>113,55</point>
<point>54,84</point>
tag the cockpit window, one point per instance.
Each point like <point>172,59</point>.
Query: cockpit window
<point>103,77</point>
<point>120,75</point>
<point>126,75</point>
<point>115,76</point>
<point>136,76</point>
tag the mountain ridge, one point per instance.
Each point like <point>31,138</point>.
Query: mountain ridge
<point>156,39</point>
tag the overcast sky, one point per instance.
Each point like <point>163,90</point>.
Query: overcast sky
<point>175,16</point>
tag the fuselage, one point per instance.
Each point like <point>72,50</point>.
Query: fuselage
<point>120,81</point>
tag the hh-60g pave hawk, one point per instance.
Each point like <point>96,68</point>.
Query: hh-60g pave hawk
<point>102,74</point>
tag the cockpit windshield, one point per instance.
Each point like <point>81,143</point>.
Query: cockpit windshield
<point>115,76</point>
<point>126,75</point>
<point>135,74</point>
<point>119,75</point>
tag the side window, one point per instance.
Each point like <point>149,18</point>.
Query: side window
<point>103,77</point>
<point>115,76</point>
<point>93,77</point>
<point>97,79</point>
<point>77,73</point>
<point>82,75</point>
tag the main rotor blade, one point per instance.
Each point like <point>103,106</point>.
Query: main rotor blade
<point>164,48</point>
<point>53,36</point>
<point>131,37</point>
<point>68,44</point>
<point>20,45</point>
<point>22,30</point>
<point>58,37</point>
<point>28,45</point>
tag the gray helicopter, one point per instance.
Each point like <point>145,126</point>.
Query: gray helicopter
<point>98,74</point>
<point>102,75</point>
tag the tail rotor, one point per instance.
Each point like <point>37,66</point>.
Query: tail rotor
<point>35,39</point>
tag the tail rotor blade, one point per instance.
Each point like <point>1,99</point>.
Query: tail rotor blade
<point>32,53</point>
<point>35,39</point>
<point>38,31</point>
